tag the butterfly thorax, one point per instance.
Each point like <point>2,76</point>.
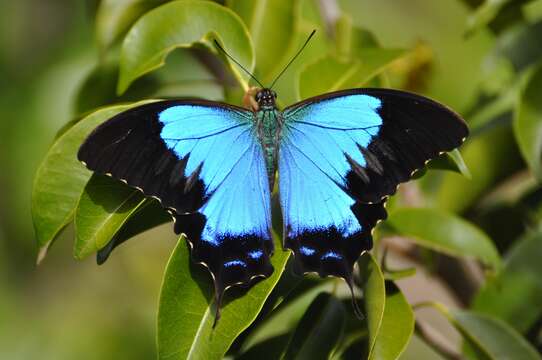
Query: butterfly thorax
<point>268,123</point>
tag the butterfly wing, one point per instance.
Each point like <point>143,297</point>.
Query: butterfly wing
<point>341,154</point>
<point>203,162</point>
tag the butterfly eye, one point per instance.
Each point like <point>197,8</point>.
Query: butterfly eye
<point>274,94</point>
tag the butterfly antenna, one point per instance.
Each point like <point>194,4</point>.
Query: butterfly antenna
<point>238,64</point>
<point>291,61</point>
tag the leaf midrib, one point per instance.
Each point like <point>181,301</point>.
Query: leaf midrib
<point>198,332</point>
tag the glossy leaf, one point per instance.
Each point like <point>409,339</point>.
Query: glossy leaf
<point>374,296</point>
<point>528,122</point>
<point>61,178</point>
<point>147,216</point>
<point>186,313</point>
<point>490,337</point>
<point>515,293</point>
<point>182,24</point>
<point>319,330</point>
<point>452,161</point>
<point>444,232</point>
<point>105,205</point>
<point>114,18</point>
<point>262,18</point>
<point>182,76</point>
<point>396,328</point>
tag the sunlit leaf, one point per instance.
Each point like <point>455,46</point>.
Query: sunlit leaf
<point>403,24</point>
<point>533,10</point>
<point>61,178</point>
<point>182,76</point>
<point>287,87</point>
<point>320,77</point>
<point>114,18</point>
<point>105,205</point>
<point>484,14</point>
<point>319,330</point>
<point>397,325</point>
<point>262,18</point>
<point>181,24</point>
<point>331,74</point>
<point>452,161</point>
<point>186,312</point>
<point>374,296</point>
<point>528,122</point>
<point>444,232</point>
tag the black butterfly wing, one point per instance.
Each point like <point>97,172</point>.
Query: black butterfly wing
<point>203,162</point>
<point>341,154</point>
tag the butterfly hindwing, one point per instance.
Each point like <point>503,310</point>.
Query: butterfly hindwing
<point>341,154</point>
<point>203,162</point>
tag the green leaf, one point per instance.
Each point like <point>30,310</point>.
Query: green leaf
<point>331,74</point>
<point>319,331</point>
<point>528,121</point>
<point>285,318</point>
<point>262,18</point>
<point>105,205</point>
<point>374,296</point>
<point>452,161</point>
<point>61,178</point>
<point>114,18</point>
<point>182,76</point>
<point>182,24</point>
<point>484,14</point>
<point>532,11</point>
<point>394,274</point>
<point>321,76</point>
<point>287,87</point>
<point>515,293</point>
<point>489,336</point>
<point>186,316</point>
<point>446,233</point>
<point>272,348</point>
<point>146,217</point>
<point>492,157</point>
<point>397,325</point>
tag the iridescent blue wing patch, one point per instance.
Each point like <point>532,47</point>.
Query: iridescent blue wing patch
<point>203,162</point>
<point>341,155</point>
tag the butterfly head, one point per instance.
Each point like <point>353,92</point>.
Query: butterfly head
<point>266,98</point>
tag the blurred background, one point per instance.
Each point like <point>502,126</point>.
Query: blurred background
<point>470,59</point>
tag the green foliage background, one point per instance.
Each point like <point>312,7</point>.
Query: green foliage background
<point>455,271</point>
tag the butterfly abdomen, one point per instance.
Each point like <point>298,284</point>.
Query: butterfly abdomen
<point>268,125</point>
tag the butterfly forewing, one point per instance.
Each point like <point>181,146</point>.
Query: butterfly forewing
<point>203,162</point>
<point>341,154</point>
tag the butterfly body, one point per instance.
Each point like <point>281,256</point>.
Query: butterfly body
<point>338,157</point>
<point>268,122</point>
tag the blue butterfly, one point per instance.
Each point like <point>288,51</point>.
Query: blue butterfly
<point>213,166</point>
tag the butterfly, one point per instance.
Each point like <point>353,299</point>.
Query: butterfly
<point>213,165</point>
